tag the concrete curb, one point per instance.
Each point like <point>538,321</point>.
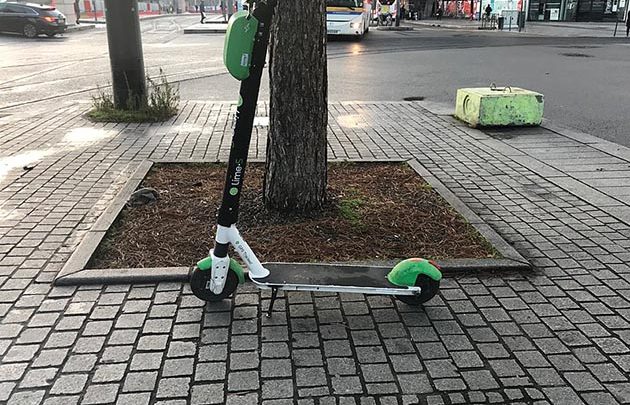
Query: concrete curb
<point>125,276</point>
<point>84,251</point>
<point>208,28</point>
<point>142,18</point>
<point>74,272</point>
<point>401,28</point>
<point>80,27</point>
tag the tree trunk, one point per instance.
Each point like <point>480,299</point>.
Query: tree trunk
<point>295,178</point>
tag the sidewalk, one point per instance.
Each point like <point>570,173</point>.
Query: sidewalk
<point>558,334</point>
<point>549,28</point>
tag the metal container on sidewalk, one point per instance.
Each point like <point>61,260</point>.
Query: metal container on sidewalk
<point>499,106</point>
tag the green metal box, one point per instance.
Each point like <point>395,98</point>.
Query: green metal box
<point>499,106</point>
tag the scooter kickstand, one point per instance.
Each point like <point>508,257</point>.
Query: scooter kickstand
<point>274,294</point>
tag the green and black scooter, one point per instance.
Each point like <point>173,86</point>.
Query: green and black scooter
<point>413,281</point>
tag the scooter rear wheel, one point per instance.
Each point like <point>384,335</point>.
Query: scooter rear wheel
<point>429,287</point>
<point>200,285</point>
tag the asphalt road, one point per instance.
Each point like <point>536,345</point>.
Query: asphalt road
<point>586,81</point>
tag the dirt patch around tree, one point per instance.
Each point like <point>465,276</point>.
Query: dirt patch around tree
<point>375,211</point>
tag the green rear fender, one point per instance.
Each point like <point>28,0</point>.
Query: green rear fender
<point>406,272</point>
<point>206,264</point>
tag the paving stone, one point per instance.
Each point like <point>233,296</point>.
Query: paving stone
<point>211,371</point>
<point>20,353</point>
<point>341,366</point>
<point>181,349</point>
<point>134,399</point>
<point>12,372</point>
<point>376,372</point>
<point>37,378</point>
<point>100,394</point>
<point>69,384</point>
<point>307,357</point>
<point>212,353</point>
<point>310,377</point>
<point>62,400</point>
<point>146,361</point>
<point>54,357</point>
<point>416,383</point>
<point>178,367</point>
<point>371,354</point>
<point>79,363</point>
<point>276,368</point>
<point>441,368</point>
<point>346,385</point>
<point>109,373</point>
<point>275,389</point>
<point>242,399</point>
<point>173,387</point>
<point>244,361</point>
<point>26,398</point>
<point>243,381</point>
<point>406,363</point>
<point>207,394</point>
<point>186,331</point>
<point>480,380</point>
<point>545,376</point>
<point>123,337</point>
<point>140,381</point>
<point>89,344</point>
<point>583,381</point>
<point>562,396</point>
<point>152,342</point>
<point>5,390</point>
<point>116,354</point>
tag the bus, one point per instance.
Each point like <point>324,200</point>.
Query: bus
<point>347,17</point>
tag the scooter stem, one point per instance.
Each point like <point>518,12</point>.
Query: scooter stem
<point>244,122</point>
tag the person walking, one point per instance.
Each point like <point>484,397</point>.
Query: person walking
<point>202,11</point>
<point>77,11</point>
<point>488,10</point>
<point>439,13</point>
<point>627,25</point>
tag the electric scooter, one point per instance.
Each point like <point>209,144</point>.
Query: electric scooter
<point>216,277</point>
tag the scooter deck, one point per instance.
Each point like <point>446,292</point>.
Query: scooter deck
<point>334,278</point>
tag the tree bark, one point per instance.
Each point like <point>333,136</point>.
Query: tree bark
<point>295,178</point>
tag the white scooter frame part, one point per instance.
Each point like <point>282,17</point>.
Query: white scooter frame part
<point>221,265</point>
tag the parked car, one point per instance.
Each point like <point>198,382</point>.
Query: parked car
<point>31,20</point>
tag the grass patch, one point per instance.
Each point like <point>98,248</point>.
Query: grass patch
<point>161,104</point>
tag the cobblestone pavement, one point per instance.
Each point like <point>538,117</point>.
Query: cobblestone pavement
<point>558,334</point>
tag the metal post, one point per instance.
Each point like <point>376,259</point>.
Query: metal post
<point>125,53</point>
<point>94,9</point>
<point>616,24</point>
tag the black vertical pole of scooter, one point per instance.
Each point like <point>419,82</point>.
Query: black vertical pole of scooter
<point>228,212</point>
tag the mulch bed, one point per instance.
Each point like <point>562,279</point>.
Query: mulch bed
<point>376,211</point>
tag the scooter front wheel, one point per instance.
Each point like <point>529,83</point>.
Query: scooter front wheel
<point>429,287</point>
<point>200,285</point>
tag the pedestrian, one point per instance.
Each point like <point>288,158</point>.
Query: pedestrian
<point>439,13</point>
<point>403,16</point>
<point>223,11</point>
<point>202,11</point>
<point>77,11</point>
<point>627,25</point>
<point>488,10</point>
